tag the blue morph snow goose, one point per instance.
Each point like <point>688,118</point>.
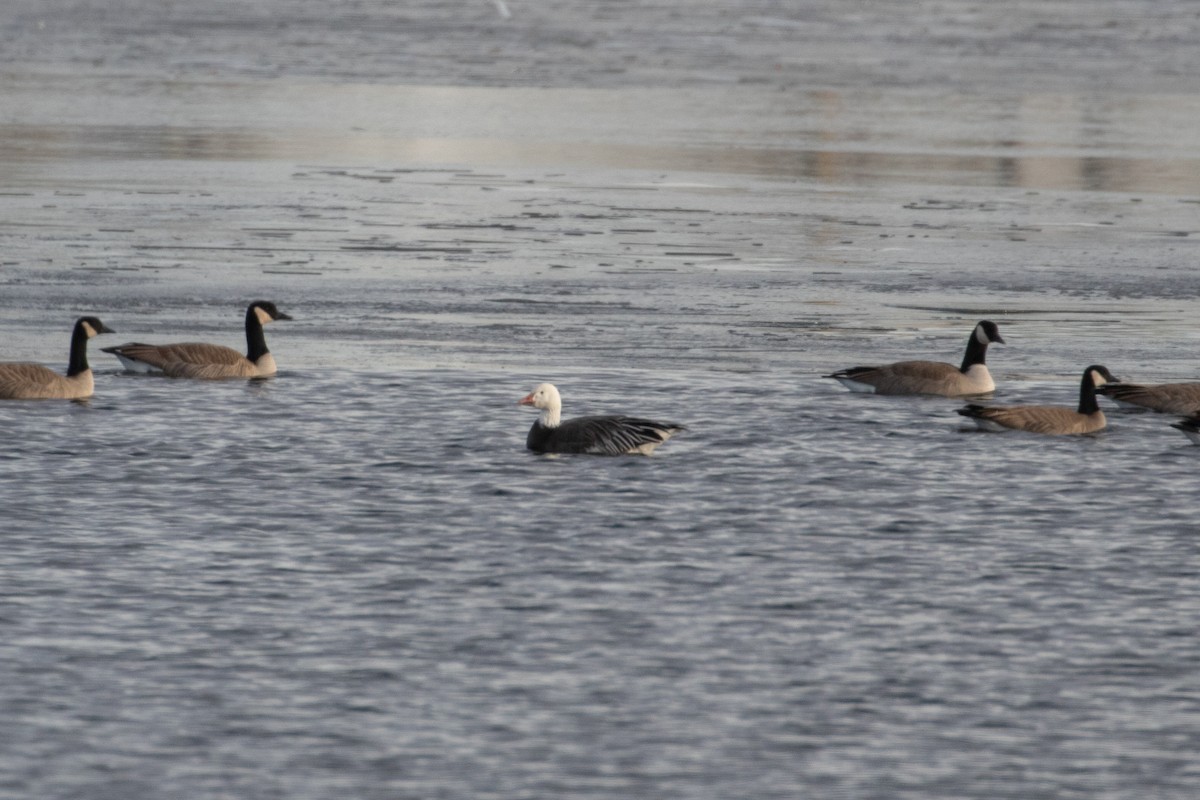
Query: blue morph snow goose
<point>605,435</point>
<point>25,381</point>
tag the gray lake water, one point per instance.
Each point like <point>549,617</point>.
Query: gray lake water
<point>352,580</point>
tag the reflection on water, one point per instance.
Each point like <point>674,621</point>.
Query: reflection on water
<point>833,166</point>
<point>1067,142</point>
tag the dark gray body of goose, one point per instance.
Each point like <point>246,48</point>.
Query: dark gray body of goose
<point>1169,398</point>
<point>601,435</point>
<point>930,377</point>
<point>1053,420</point>
<point>208,361</point>
<point>26,381</point>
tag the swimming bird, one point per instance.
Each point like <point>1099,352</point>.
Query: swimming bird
<point>208,361</point>
<point>1055,420</point>
<point>930,377</point>
<point>1190,427</point>
<point>606,436</point>
<point>1171,398</point>
<point>25,381</point>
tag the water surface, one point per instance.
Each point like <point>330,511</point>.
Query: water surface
<point>352,580</point>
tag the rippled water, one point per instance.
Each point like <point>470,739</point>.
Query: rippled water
<point>352,580</point>
<point>343,582</point>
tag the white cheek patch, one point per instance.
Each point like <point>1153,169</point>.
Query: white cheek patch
<point>981,335</point>
<point>88,329</point>
<point>1097,378</point>
<point>263,317</point>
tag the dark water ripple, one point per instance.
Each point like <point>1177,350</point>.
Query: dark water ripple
<point>349,583</point>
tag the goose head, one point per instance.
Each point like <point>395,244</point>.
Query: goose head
<point>92,326</point>
<point>987,332</point>
<point>1099,375</point>
<point>545,397</point>
<point>266,311</point>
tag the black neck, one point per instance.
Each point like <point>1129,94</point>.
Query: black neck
<point>976,353</point>
<point>1087,395</point>
<point>79,340</point>
<point>256,340</point>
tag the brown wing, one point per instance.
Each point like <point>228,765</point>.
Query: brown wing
<point>22,381</point>
<point>159,355</point>
<point>1171,398</point>
<point>1044,419</point>
<point>913,377</point>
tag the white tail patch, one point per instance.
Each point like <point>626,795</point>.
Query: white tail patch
<point>987,425</point>
<point>856,386</point>
<point>133,365</point>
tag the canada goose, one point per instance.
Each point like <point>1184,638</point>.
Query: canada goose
<point>1048,419</point>
<point>1190,427</point>
<point>210,361</point>
<point>24,381</point>
<point>1171,398</point>
<point>606,436</point>
<point>930,377</point>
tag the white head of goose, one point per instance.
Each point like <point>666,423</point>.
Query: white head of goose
<point>1054,420</point>
<point>25,381</point>
<point>208,361</point>
<point>607,436</point>
<point>930,377</point>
